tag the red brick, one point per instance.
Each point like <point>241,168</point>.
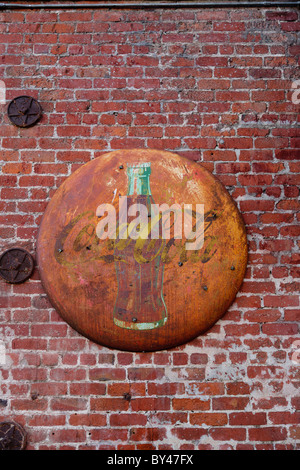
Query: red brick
<point>51,421</point>
<point>230,403</point>
<point>128,419</point>
<point>242,330</point>
<point>49,330</point>
<point>281,15</point>
<point>68,435</point>
<point>180,358</point>
<point>145,374</point>
<point>262,315</point>
<point>30,343</point>
<point>260,205</point>
<point>36,180</point>
<point>291,259</point>
<point>68,404</point>
<point>147,434</point>
<point>280,329</point>
<point>189,434</point>
<point>67,374</point>
<point>162,358</point>
<point>91,419</point>
<point>88,388</point>
<point>166,389</point>
<point>104,374</point>
<point>281,417</point>
<point>232,167</point>
<point>29,405</point>
<point>122,388</point>
<point>198,143</point>
<point>288,205</point>
<point>49,389</point>
<point>291,314</point>
<point>259,287</point>
<point>109,404</point>
<point>281,301</point>
<point>16,168</point>
<point>88,359</point>
<point>209,419</point>
<point>267,434</point>
<point>293,26</point>
<point>247,419</point>
<point>264,73</point>
<point>148,404</point>
<point>190,404</point>
<point>217,155</point>
<point>226,434</point>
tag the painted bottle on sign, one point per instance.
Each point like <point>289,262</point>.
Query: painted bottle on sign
<point>140,304</point>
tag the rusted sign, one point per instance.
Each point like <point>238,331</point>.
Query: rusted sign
<point>141,250</point>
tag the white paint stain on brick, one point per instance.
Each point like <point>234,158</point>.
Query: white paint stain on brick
<point>2,92</point>
<point>2,353</point>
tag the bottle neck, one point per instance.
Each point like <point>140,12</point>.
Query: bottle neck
<point>139,182</point>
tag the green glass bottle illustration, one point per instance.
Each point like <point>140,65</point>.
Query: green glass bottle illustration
<point>140,304</point>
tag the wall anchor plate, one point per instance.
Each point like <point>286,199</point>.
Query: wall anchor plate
<point>16,265</point>
<point>24,111</point>
<point>12,436</point>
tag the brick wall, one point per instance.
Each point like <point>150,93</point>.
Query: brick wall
<point>211,85</point>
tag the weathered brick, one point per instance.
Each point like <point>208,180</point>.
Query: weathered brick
<point>209,419</point>
<point>267,434</point>
<point>191,404</point>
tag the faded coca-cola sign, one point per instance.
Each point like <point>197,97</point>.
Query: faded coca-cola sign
<point>141,250</point>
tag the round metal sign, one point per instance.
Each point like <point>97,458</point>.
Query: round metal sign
<point>141,250</point>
